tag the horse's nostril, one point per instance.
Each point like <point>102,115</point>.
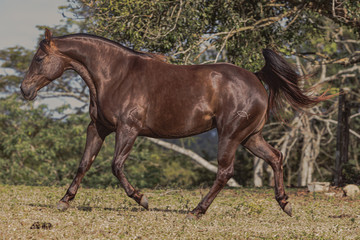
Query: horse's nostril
<point>22,91</point>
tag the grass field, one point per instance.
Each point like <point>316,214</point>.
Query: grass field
<point>30,213</point>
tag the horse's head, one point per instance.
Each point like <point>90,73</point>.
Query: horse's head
<point>46,65</point>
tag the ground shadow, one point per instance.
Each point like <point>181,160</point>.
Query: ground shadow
<point>132,209</point>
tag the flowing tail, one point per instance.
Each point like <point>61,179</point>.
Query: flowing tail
<point>283,83</point>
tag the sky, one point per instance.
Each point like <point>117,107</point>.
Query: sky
<point>18,20</point>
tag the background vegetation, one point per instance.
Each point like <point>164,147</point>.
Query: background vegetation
<point>42,145</point>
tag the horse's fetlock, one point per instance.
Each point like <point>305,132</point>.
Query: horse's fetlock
<point>281,197</point>
<point>132,194</point>
<point>198,211</point>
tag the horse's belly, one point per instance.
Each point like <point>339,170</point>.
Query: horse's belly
<point>177,126</point>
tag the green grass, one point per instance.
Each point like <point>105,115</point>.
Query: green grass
<point>235,214</point>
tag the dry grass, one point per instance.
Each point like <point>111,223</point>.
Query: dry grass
<point>235,214</point>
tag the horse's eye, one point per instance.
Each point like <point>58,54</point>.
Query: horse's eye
<point>39,59</point>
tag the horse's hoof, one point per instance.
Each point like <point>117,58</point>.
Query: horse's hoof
<point>287,209</point>
<point>62,206</point>
<point>144,202</point>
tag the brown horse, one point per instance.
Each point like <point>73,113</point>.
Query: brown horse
<point>137,94</point>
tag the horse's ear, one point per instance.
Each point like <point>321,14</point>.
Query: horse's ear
<point>48,35</point>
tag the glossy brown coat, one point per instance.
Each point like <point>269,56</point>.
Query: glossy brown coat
<point>137,94</point>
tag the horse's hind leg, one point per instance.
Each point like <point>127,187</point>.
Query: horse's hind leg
<point>94,139</point>
<point>260,148</point>
<point>226,157</point>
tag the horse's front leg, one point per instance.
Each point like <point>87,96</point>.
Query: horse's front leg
<point>94,139</point>
<point>125,138</point>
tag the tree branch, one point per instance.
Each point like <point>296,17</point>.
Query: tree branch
<point>195,157</point>
<point>335,122</point>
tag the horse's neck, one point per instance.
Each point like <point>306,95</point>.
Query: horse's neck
<point>86,57</point>
<point>88,52</point>
<point>86,76</point>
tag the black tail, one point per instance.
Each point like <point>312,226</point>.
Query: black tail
<point>283,83</point>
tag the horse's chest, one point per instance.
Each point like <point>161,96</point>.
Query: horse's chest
<point>102,115</point>
<point>113,116</point>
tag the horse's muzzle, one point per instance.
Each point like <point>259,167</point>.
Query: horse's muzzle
<point>28,94</point>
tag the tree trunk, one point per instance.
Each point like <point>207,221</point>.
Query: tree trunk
<point>310,151</point>
<point>306,163</point>
<point>270,172</point>
<point>195,157</point>
<point>342,137</point>
<point>258,172</point>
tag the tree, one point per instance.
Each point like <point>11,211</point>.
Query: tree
<point>186,29</point>
<point>320,37</point>
<point>322,34</point>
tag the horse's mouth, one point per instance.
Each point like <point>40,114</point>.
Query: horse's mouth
<point>28,96</point>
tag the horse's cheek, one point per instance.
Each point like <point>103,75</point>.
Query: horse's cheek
<point>55,69</point>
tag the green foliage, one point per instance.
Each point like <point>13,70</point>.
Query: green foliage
<point>16,59</point>
<point>37,148</point>
<point>351,174</point>
<point>197,31</point>
<point>243,173</point>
